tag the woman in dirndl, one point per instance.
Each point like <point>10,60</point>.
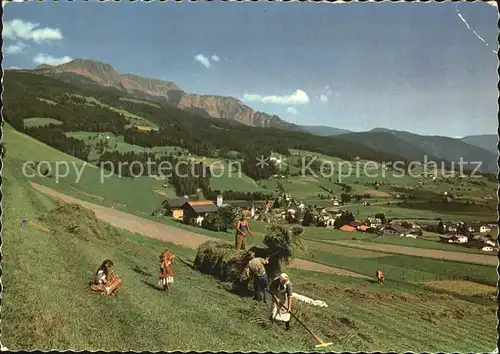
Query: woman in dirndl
<point>281,292</point>
<point>166,274</point>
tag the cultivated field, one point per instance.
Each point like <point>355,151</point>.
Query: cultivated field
<point>39,122</point>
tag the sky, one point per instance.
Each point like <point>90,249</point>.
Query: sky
<point>424,68</point>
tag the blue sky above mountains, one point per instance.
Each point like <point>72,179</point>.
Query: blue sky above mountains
<point>425,68</point>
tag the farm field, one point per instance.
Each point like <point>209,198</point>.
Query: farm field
<point>149,103</point>
<point>362,328</point>
<point>469,257</point>
<point>231,181</point>
<point>134,119</point>
<point>39,122</point>
<point>116,143</point>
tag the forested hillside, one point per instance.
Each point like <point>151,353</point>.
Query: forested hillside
<point>29,95</point>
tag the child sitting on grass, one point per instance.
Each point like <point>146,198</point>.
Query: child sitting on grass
<point>105,280</point>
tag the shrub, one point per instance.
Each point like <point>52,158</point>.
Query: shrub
<point>308,218</point>
<point>222,221</point>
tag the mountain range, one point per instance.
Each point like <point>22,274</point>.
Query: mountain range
<point>408,145</point>
<point>486,141</point>
<point>83,70</point>
<point>323,130</point>
<point>414,147</point>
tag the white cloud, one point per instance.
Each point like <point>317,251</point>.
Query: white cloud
<point>20,29</point>
<point>50,60</point>
<point>206,61</point>
<point>323,98</point>
<point>327,87</point>
<point>203,60</point>
<point>6,2</point>
<point>16,48</point>
<point>298,97</point>
<point>292,110</point>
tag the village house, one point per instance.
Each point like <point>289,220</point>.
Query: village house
<point>348,228</point>
<point>412,233</point>
<point>487,249</point>
<point>374,222</point>
<point>490,243</point>
<point>174,207</point>
<point>195,211</point>
<point>447,238</point>
<point>479,227</point>
<point>461,239</point>
<point>366,228</point>
<point>416,226</point>
<point>450,227</point>
<point>393,230</point>
<point>484,229</point>
<point>330,222</point>
<point>363,228</point>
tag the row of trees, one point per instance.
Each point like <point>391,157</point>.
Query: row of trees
<point>54,136</point>
<point>186,177</point>
<point>236,195</point>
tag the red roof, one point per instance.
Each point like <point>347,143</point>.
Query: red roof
<point>201,202</point>
<point>348,228</point>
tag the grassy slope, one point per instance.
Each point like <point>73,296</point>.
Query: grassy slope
<point>47,305</point>
<point>139,191</point>
<point>117,143</point>
<point>140,199</point>
<point>39,122</point>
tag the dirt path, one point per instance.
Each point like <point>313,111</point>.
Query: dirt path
<point>168,233</point>
<point>421,252</point>
<point>133,223</point>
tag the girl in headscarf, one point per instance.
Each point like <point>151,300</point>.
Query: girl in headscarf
<point>166,274</point>
<point>105,280</point>
<point>281,291</point>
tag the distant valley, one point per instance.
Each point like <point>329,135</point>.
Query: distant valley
<point>92,74</point>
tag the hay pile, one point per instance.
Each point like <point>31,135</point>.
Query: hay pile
<point>226,263</point>
<point>222,260</point>
<point>78,221</point>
